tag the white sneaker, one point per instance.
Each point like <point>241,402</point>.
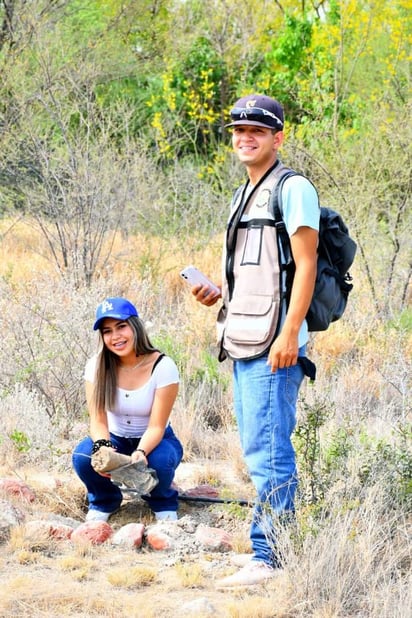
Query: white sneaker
<point>251,574</point>
<point>166,516</point>
<point>95,515</point>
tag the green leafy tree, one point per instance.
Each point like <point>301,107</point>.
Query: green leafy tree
<point>186,109</point>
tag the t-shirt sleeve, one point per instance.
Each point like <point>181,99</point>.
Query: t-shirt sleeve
<point>300,204</point>
<point>166,372</point>
<point>90,369</point>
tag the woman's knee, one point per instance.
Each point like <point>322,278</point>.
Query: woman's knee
<point>165,456</point>
<point>81,457</point>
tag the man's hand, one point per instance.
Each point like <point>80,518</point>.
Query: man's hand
<point>285,348</point>
<point>283,352</point>
<point>204,295</point>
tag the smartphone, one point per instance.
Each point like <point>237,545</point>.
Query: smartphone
<point>194,276</point>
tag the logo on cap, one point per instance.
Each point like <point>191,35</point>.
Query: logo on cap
<point>106,306</point>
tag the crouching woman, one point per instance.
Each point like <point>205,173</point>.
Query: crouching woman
<point>131,388</point>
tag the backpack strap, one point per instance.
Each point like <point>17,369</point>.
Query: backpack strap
<point>276,205</point>
<point>157,361</point>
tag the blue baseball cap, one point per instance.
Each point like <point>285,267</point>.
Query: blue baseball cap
<point>116,307</point>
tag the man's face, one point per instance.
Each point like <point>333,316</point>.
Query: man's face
<point>256,146</point>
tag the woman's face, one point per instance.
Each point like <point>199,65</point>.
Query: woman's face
<point>118,337</point>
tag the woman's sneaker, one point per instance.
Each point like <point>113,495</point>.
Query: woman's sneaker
<point>95,515</point>
<point>166,516</point>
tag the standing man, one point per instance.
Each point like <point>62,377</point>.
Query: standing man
<point>259,329</point>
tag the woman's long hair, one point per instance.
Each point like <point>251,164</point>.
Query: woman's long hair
<point>107,364</point>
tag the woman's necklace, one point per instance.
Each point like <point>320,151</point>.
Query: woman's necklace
<point>134,366</point>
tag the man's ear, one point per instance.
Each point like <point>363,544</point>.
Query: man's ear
<point>278,138</point>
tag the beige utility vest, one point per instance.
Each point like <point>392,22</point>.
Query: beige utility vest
<point>252,278</point>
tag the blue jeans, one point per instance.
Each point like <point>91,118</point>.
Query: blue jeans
<point>103,495</point>
<point>265,406</point>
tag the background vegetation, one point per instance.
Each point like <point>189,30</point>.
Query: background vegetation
<point>115,172</point>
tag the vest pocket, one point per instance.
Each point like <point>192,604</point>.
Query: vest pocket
<point>251,320</point>
<point>253,245</point>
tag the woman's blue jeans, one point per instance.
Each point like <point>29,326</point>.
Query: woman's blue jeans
<point>103,495</point>
<point>265,406</point>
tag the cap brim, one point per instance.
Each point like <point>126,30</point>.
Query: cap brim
<point>252,123</point>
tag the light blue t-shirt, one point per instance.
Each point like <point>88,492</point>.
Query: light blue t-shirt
<point>300,206</point>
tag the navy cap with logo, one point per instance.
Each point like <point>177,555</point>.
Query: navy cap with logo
<point>115,307</point>
<point>257,110</point>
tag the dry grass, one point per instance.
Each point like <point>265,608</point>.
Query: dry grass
<point>353,550</point>
<point>190,575</point>
<point>129,579</point>
<point>273,604</point>
<point>24,253</point>
<point>240,537</point>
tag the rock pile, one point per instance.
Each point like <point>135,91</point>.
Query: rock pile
<point>181,537</point>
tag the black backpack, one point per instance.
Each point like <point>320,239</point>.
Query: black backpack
<point>336,253</point>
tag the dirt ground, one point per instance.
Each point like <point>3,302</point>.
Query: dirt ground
<point>49,578</point>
